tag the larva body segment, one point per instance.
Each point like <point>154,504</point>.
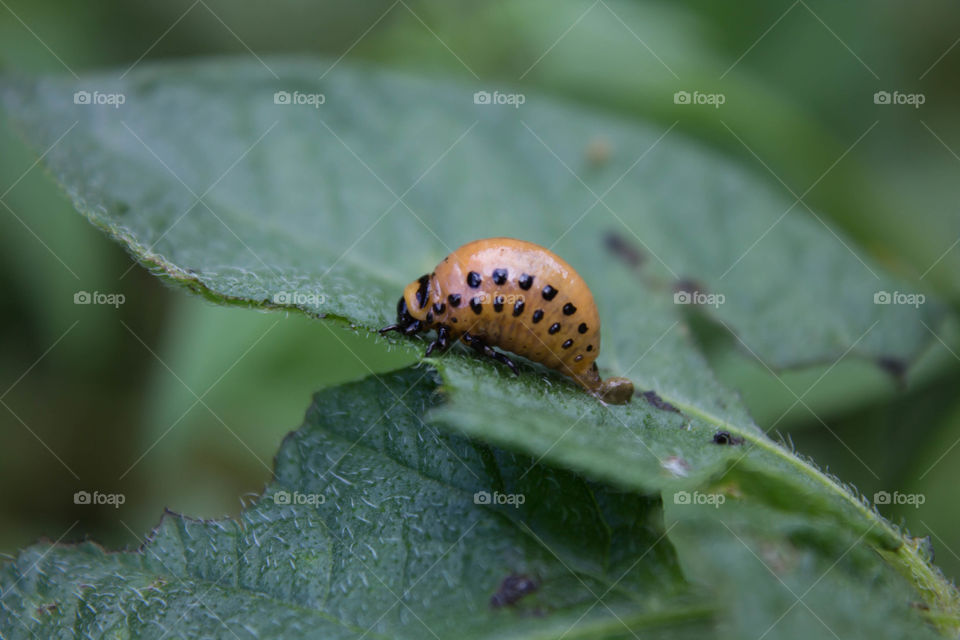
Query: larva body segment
<point>518,296</point>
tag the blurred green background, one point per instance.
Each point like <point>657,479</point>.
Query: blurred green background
<point>113,399</point>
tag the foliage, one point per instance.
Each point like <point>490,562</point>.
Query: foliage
<point>330,208</point>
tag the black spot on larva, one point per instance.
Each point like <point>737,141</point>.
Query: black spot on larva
<point>537,316</point>
<point>578,358</point>
<point>498,303</point>
<point>439,307</point>
<point>518,308</point>
<point>549,293</point>
<point>454,299</point>
<point>499,276</point>
<point>473,279</point>
<point>582,328</point>
<point>422,291</point>
<point>567,343</point>
<point>554,328</point>
<point>623,249</point>
<point>724,437</point>
<point>513,587</point>
<point>429,317</point>
<point>525,281</point>
<point>589,347</point>
<point>476,305</point>
<point>569,309</point>
<point>454,320</point>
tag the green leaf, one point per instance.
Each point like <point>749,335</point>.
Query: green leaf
<point>332,208</point>
<point>372,528</point>
<point>809,578</point>
<point>304,199</point>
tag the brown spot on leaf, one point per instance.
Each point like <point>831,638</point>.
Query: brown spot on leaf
<point>623,249</point>
<point>513,587</point>
<point>726,438</point>
<point>896,368</point>
<point>658,402</point>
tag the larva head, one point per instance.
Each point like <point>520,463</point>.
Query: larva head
<point>413,309</point>
<point>404,319</point>
<point>415,303</point>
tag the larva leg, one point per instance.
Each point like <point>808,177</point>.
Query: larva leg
<point>406,329</point>
<point>481,347</point>
<point>442,342</point>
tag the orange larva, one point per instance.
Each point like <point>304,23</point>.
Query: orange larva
<point>517,296</point>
